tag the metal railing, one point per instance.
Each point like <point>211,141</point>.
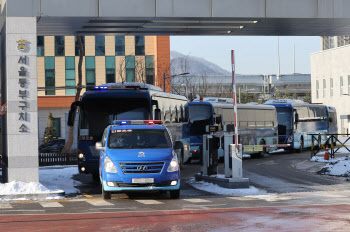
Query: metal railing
<point>331,139</point>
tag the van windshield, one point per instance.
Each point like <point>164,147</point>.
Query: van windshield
<point>139,138</point>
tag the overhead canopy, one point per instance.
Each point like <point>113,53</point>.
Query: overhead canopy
<point>185,17</point>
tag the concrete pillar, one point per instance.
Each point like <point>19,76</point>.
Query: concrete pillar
<point>19,92</point>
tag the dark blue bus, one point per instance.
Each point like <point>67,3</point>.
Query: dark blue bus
<point>200,114</point>
<point>296,119</point>
<point>98,108</point>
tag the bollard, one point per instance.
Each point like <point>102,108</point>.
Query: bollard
<point>326,154</point>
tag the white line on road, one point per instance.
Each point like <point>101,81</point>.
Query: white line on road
<point>5,206</point>
<point>196,200</point>
<point>99,203</point>
<point>150,202</point>
<point>51,204</point>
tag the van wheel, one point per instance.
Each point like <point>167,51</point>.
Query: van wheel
<point>175,194</point>
<point>106,195</point>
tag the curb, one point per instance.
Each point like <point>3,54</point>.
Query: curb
<point>33,196</point>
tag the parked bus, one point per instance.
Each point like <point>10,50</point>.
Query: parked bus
<point>200,115</point>
<point>99,107</point>
<point>296,119</point>
<point>257,124</point>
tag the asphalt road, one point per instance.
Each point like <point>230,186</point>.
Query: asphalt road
<point>296,193</point>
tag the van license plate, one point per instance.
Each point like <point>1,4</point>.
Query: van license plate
<point>142,180</point>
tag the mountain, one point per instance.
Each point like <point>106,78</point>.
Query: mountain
<point>181,63</point>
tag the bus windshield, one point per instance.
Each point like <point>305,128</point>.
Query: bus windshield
<point>97,114</point>
<point>284,118</point>
<point>139,138</point>
<point>200,117</point>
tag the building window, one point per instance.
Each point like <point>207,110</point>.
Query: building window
<point>77,49</point>
<point>99,45</point>
<point>59,45</point>
<point>40,46</point>
<point>57,126</point>
<point>49,75</point>
<point>90,71</point>
<point>150,69</point>
<point>324,88</point>
<point>110,69</point>
<point>120,45</point>
<point>70,75</point>
<point>331,86</point>
<point>341,86</point>
<point>139,45</point>
<point>317,89</point>
<point>130,68</point>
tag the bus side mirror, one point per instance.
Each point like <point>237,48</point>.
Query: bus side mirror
<point>70,121</point>
<point>218,120</point>
<point>330,119</point>
<point>296,117</point>
<point>71,114</point>
<point>99,146</point>
<point>157,114</point>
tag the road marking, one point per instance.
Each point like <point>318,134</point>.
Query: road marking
<point>5,206</point>
<point>87,195</point>
<point>196,200</point>
<point>99,203</point>
<point>50,204</point>
<point>150,202</point>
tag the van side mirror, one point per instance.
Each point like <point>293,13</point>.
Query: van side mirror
<point>157,114</point>
<point>218,120</point>
<point>296,117</point>
<point>99,146</point>
<point>330,119</point>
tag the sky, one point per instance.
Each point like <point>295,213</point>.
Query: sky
<point>253,54</point>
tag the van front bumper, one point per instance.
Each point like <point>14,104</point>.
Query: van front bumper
<point>122,187</point>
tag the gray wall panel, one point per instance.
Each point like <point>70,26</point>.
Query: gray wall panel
<point>291,8</point>
<point>341,9</point>
<point>239,8</point>
<point>127,8</point>
<point>192,8</point>
<point>76,8</point>
<point>165,8</point>
<point>325,8</point>
<point>22,8</point>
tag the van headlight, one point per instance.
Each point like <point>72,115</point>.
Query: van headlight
<point>290,139</point>
<point>109,165</point>
<point>174,164</point>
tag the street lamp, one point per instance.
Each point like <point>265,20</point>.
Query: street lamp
<point>164,77</point>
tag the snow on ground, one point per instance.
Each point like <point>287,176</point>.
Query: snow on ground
<point>213,188</point>
<point>54,179</point>
<point>60,177</point>
<point>334,167</point>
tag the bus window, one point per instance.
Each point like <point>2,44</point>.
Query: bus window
<point>167,116</point>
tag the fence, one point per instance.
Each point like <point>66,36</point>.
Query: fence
<point>49,159</point>
<point>331,140</point>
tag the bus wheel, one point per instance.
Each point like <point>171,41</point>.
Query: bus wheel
<point>301,148</point>
<point>175,194</point>
<point>106,195</point>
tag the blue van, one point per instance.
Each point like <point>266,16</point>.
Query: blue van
<point>138,156</point>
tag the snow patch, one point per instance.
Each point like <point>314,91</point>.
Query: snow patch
<point>213,188</point>
<point>17,187</point>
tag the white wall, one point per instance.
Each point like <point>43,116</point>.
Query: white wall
<point>332,63</point>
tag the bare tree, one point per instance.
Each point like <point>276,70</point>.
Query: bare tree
<point>140,70</point>
<point>121,70</point>
<point>69,142</point>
